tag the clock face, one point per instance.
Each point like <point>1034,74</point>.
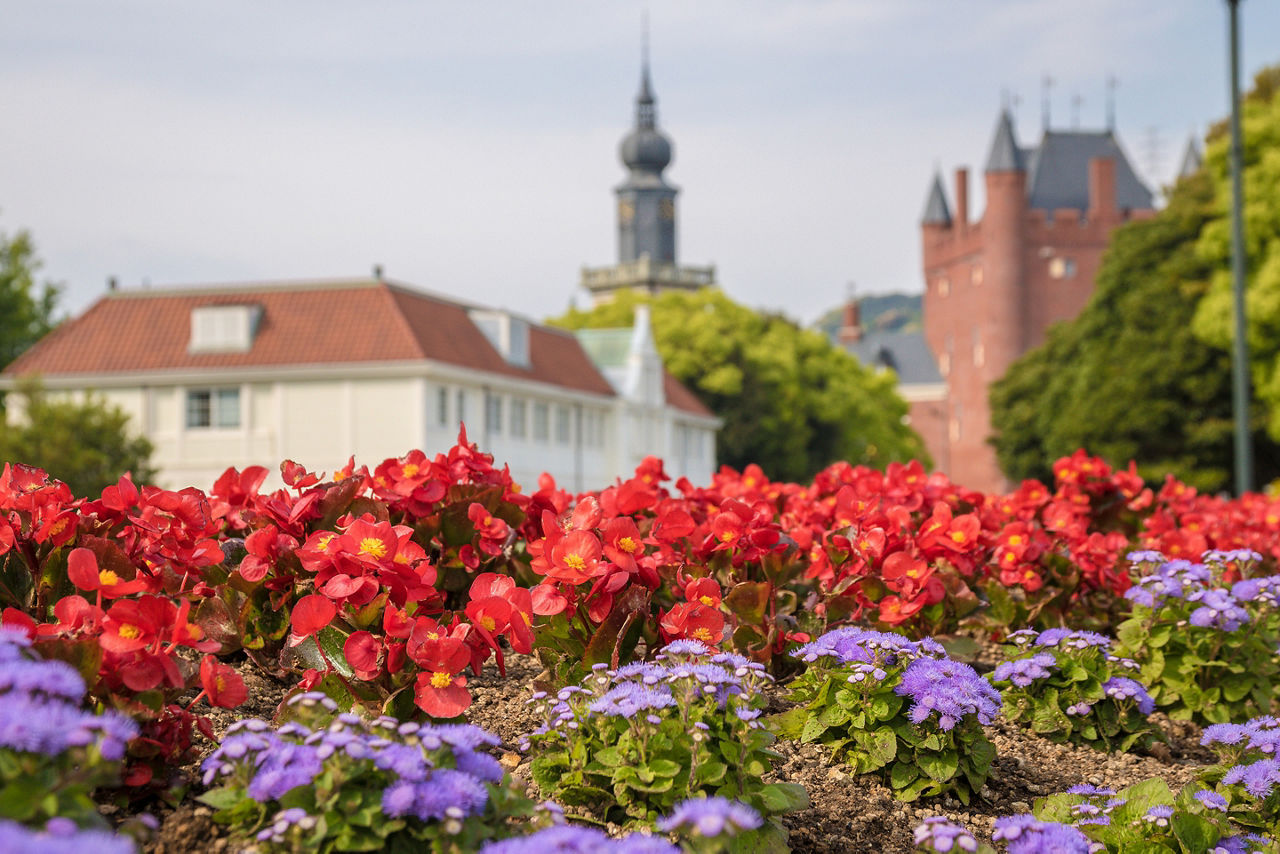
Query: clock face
<point>626,212</point>
<point>667,209</point>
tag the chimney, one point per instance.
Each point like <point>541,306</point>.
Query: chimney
<point>851,324</point>
<point>962,198</point>
<point>377,272</point>
<point>1102,186</point>
<point>112,283</point>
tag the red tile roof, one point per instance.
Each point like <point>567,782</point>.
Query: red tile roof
<point>679,397</point>
<point>303,324</point>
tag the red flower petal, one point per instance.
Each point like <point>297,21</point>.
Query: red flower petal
<point>311,614</point>
<point>82,569</point>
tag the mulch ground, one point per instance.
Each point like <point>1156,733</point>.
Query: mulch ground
<point>848,813</point>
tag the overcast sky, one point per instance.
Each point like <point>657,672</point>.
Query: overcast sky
<point>471,147</point>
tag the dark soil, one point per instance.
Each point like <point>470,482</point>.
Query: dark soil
<point>848,814</point>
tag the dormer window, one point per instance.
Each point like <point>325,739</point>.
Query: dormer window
<point>223,328</point>
<point>508,335</point>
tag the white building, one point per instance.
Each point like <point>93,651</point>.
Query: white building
<point>318,371</point>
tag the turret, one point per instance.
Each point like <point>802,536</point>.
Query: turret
<point>1003,265</point>
<point>646,202</point>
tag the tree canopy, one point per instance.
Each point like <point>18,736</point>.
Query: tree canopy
<point>791,401</point>
<point>26,308</point>
<point>1144,373</point>
<point>85,443</point>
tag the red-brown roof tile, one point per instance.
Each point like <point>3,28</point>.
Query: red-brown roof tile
<point>679,396</point>
<point>305,324</point>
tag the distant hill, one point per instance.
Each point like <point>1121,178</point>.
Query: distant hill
<point>889,312</point>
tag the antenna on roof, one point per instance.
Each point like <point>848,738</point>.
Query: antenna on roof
<point>1076,100</point>
<point>1112,83</point>
<point>112,283</point>
<point>1046,84</point>
<point>377,272</point>
<point>644,38</point>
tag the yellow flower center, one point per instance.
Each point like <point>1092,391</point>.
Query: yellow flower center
<point>106,578</point>
<point>58,527</point>
<point>488,623</point>
<point>707,600</point>
<point>1015,540</point>
<point>727,536</point>
<point>130,631</point>
<point>702,633</point>
<point>322,544</point>
<point>575,562</point>
<point>957,536</point>
<point>409,470</point>
<point>627,544</point>
<point>373,547</point>
<point>440,679</point>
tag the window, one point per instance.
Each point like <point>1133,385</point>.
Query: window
<point>442,406</point>
<point>492,413</point>
<point>223,328</point>
<point>975,276</point>
<point>562,425</point>
<point>541,422</point>
<point>944,286</point>
<point>213,408</point>
<point>461,413</point>
<point>519,412</point>
<point>1062,268</point>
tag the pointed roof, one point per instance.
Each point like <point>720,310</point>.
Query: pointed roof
<point>1005,155</point>
<point>936,211</point>
<point>1192,159</point>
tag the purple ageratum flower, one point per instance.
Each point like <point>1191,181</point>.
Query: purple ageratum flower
<point>1220,610</point>
<point>482,766</point>
<point>1224,734</point>
<point>1145,556</point>
<point>1027,835</point>
<point>285,768</point>
<point>51,678</point>
<point>1245,843</point>
<point>1211,800</point>
<point>1023,671</point>
<point>405,761</point>
<point>1073,639</point>
<point>849,644</point>
<point>1124,688</point>
<point>1089,791</point>
<point>61,837</point>
<point>573,839</point>
<point>449,793</point>
<point>1158,815</point>
<point>465,736</point>
<point>949,689</point>
<point>943,835</point>
<point>1259,778</point>
<point>629,698</point>
<point>710,817</point>
<point>686,646</point>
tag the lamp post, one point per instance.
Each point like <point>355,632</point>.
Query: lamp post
<point>1240,348</point>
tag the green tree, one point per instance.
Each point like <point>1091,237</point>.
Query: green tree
<point>1129,378</point>
<point>26,308</point>
<point>1260,127</point>
<point>86,444</point>
<point>790,401</point>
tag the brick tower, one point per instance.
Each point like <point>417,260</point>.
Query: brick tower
<point>993,287</point>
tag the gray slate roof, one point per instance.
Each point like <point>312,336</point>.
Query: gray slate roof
<point>1058,174</point>
<point>936,211</point>
<point>906,353</point>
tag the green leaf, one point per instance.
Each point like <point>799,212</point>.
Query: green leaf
<point>883,745</point>
<point>788,724</point>
<point>1193,831</point>
<point>941,766</point>
<point>784,797</point>
<point>901,774</point>
<point>223,797</point>
<point>749,600</point>
<point>813,729</point>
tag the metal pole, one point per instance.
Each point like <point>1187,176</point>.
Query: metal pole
<point>1240,350</point>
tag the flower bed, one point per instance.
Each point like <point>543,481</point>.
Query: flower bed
<point>398,593</point>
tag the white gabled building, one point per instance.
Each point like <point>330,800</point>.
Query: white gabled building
<point>318,371</point>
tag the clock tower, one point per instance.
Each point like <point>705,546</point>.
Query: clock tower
<point>646,215</point>
<point>646,202</point>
